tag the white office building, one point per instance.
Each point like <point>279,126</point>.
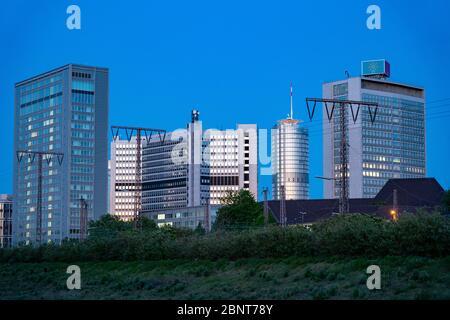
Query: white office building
<point>122,178</point>
<point>233,161</point>
<point>188,168</point>
<point>193,167</point>
<point>392,147</point>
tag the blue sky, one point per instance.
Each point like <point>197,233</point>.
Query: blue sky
<point>233,60</point>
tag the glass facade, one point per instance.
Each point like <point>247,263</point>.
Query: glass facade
<point>82,146</point>
<point>393,146</point>
<point>290,152</point>
<point>185,218</point>
<point>61,111</point>
<point>195,168</point>
<point>40,126</point>
<point>5,221</point>
<point>340,92</point>
<point>165,173</point>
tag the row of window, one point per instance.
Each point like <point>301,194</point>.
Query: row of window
<point>37,84</point>
<point>83,75</point>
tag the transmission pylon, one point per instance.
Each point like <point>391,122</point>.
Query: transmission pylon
<point>148,132</point>
<point>32,156</point>
<point>343,128</point>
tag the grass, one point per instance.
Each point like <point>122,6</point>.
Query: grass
<point>290,278</point>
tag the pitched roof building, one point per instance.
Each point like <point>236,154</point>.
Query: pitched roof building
<point>411,194</point>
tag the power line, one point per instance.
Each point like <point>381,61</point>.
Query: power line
<point>31,156</point>
<point>344,105</point>
<point>148,132</point>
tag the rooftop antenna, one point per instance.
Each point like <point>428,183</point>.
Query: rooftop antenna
<point>291,116</point>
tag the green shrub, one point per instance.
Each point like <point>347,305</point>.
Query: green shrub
<point>422,234</point>
<point>353,235</point>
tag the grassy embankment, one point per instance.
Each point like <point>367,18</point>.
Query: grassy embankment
<point>290,278</point>
<point>264,263</point>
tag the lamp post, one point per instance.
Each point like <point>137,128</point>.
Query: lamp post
<point>303,216</point>
<point>394,214</point>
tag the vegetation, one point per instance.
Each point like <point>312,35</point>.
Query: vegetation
<point>356,235</point>
<point>240,210</point>
<point>446,201</point>
<point>326,261</point>
<point>287,278</point>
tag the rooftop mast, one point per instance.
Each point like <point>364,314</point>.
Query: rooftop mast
<point>291,116</point>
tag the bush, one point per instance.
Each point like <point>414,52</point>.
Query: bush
<point>353,235</point>
<point>423,235</point>
<point>341,236</point>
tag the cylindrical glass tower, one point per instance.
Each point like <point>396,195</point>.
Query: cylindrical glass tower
<point>290,165</point>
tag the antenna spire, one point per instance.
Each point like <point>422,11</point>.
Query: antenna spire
<point>291,116</point>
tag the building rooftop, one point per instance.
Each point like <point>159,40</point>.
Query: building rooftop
<point>420,192</point>
<point>412,194</point>
<point>56,70</point>
<point>385,81</point>
<point>5,197</point>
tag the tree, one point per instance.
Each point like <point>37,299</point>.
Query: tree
<point>147,224</point>
<point>107,226</point>
<point>110,226</point>
<point>199,230</point>
<point>240,210</point>
<point>446,201</point>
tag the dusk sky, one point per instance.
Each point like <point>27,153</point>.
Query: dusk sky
<point>232,60</point>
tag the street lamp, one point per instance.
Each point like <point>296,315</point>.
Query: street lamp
<point>394,214</point>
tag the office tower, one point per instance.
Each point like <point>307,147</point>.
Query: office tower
<point>164,181</point>
<point>66,111</point>
<point>197,166</point>
<point>5,220</point>
<point>123,177</point>
<point>392,147</point>
<point>173,172</point>
<point>193,168</point>
<point>290,159</point>
<point>233,156</point>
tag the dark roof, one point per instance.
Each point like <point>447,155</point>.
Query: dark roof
<point>412,194</point>
<point>314,210</point>
<point>425,192</point>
